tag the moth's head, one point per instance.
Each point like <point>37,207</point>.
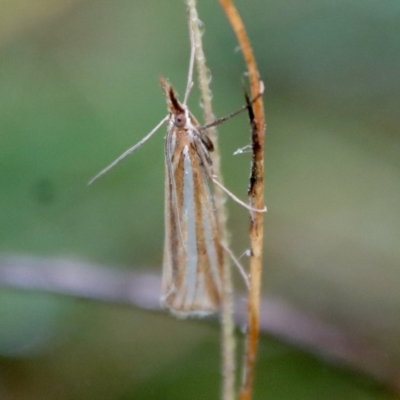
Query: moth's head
<point>179,113</point>
<point>179,120</point>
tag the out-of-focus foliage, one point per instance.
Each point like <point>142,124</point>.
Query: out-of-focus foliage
<point>79,84</point>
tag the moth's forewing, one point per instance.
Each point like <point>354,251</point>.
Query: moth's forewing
<point>193,256</point>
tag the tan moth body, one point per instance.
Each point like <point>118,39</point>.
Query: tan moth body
<point>193,256</point>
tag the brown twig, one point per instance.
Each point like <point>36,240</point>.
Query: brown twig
<point>256,195</point>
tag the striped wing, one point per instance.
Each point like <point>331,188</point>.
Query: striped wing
<point>193,256</point>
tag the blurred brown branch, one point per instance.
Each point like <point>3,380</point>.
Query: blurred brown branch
<point>141,289</point>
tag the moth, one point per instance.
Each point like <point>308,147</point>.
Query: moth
<point>193,255</point>
<point>192,277</point>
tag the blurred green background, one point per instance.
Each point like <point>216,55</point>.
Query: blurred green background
<point>79,85</point>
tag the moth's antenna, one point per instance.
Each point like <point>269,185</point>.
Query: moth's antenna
<point>189,84</point>
<point>229,116</point>
<point>129,151</point>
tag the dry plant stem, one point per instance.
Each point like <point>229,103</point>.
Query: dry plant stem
<point>228,338</point>
<point>256,195</point>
